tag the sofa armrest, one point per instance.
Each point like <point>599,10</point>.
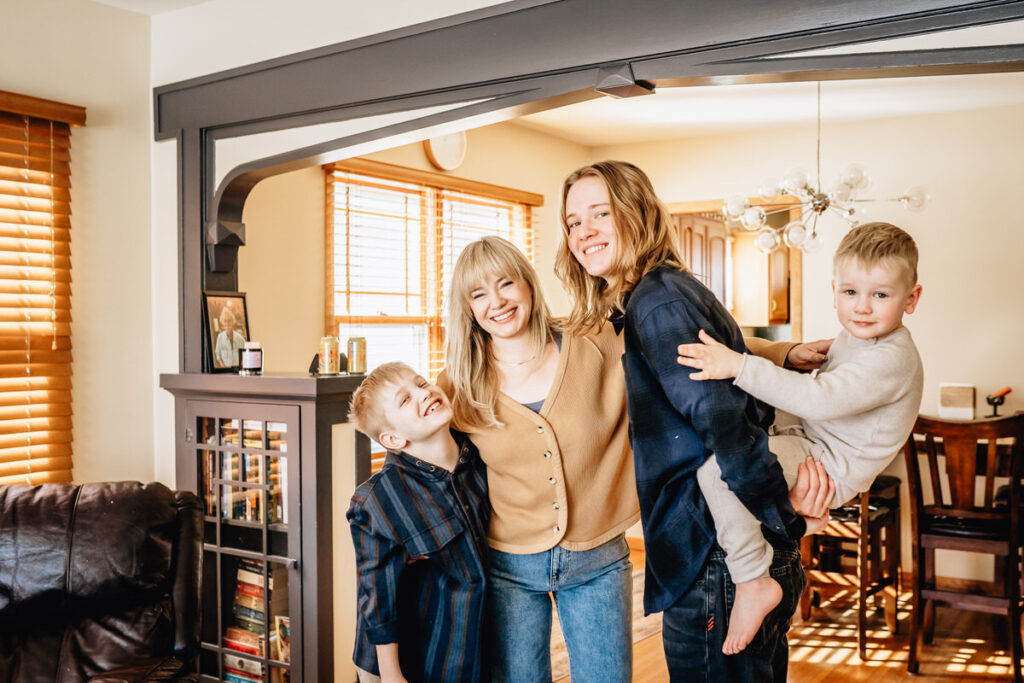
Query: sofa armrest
<point>149,671</point>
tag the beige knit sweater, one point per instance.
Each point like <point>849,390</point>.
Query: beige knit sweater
<point>565,476</point>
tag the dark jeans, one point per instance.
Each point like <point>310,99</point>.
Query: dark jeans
<point>694,628</point>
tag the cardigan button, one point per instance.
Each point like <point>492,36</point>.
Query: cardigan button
<point>547,454</point>
<point>555,530</point>
<point>551,480</point>
<point>554,506</point>
<point>540,429</point>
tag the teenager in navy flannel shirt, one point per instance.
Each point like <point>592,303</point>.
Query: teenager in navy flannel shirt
<point>618,256</point>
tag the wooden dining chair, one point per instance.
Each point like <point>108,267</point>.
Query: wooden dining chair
<point>953,468</point>
<point>864,533</point>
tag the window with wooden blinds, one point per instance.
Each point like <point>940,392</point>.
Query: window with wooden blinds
<point>393,236</point>
<point>35,289</point>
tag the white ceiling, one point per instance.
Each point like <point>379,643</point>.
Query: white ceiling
<point>710,110</point>
<point>150,7</point>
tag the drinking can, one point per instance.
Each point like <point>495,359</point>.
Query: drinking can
<point>329,348</point>
<point>357,355</point>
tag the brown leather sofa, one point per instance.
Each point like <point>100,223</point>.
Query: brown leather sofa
<point>99,582</point>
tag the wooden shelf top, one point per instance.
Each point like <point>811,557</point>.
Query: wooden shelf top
<point>271,385</point>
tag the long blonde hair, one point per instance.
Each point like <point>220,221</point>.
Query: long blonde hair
<point>467,357</point>
<point>643,227</point>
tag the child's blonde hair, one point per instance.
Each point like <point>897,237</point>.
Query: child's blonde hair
<point>644,230</point>
<point>367,407</point>
<point>474,381</point>
<point>878,243</point>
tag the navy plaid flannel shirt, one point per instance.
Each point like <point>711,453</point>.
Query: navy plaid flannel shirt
<point>675,423</point>
<point>420,536</point>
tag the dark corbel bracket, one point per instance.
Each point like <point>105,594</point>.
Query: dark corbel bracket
<point>222,241</point>
<point>618,81</point>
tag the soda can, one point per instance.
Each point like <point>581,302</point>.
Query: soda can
<point>329,349</point>
<point>357,355</point>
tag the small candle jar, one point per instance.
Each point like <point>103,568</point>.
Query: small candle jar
<point>250,359</point>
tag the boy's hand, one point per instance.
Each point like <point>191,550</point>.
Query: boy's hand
<point>714,359</point>
<point>387,663</point>
<point>813,491</point>
<point>809,355</point>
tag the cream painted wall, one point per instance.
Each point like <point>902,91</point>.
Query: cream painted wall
<point>970,237</point>
<point>100,60</point>
<point>281,268</point>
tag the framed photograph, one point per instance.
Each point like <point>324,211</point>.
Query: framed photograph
<point>227,328</point>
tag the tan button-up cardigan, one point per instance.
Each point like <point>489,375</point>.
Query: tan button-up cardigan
<point>565,476</point>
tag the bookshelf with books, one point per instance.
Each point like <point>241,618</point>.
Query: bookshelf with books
<point>259,453</point>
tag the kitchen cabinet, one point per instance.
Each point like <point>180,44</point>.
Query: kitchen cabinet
<point>702,241</point>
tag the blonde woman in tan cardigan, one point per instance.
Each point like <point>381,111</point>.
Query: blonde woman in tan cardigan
<point>547,411</point>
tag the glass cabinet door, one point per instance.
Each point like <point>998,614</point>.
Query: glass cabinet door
<point>249,487</point>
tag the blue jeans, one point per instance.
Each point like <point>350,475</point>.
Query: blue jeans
<point>694,628</point>
<point>593,592</point>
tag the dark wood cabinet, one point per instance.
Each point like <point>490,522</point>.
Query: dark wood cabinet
<point>261,453</point>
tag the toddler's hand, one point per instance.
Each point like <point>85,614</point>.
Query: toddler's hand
<point>816,524</point>
<point>714,359</point>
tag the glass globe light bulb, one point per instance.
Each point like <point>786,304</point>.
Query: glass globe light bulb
<point>855,176</point>
<point>813,243</point>
<point>795,181</point>
<point>753,218</point>
<point>915,198</point>
<point>841,193</point>
<point>770,188</point>
<point>794,234</point>
<point>734,206</point>
<point>767,240</point>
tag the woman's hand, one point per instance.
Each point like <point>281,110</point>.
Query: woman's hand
<point>714,359</point>
<point>812,494</point>
<point>809,355</point>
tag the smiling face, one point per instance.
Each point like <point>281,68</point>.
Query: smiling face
<point>414,409</point>
<point>227,320</point>
<point>590,228</point>
<point>871,302</point>
<point>501,306</point>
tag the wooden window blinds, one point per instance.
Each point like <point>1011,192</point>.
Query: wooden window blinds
<point>393,236</point>
<point>35,289</point>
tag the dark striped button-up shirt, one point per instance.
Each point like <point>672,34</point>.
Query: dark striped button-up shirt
<point>420,535</point>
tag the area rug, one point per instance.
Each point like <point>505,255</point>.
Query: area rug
<point>643,627</point>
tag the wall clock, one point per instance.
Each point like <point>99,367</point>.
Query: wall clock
<point>447,151</point>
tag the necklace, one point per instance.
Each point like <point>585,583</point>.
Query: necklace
<point>515,364</point>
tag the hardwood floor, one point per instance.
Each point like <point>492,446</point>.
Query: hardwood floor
<point>825,647</point>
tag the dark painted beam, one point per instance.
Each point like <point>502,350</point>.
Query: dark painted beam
<point>522,53</point>
<point>536,40</point>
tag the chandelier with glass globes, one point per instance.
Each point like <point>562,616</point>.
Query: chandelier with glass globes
<point>803,233</point>
<point>814,202</point>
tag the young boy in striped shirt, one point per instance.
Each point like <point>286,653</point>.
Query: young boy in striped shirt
<point>420,532</point>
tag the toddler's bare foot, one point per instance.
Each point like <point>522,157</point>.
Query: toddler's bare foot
<point>754,600</point>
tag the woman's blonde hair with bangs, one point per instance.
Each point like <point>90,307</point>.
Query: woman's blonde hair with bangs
<point>645,240</point>
<point>467,356</point>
